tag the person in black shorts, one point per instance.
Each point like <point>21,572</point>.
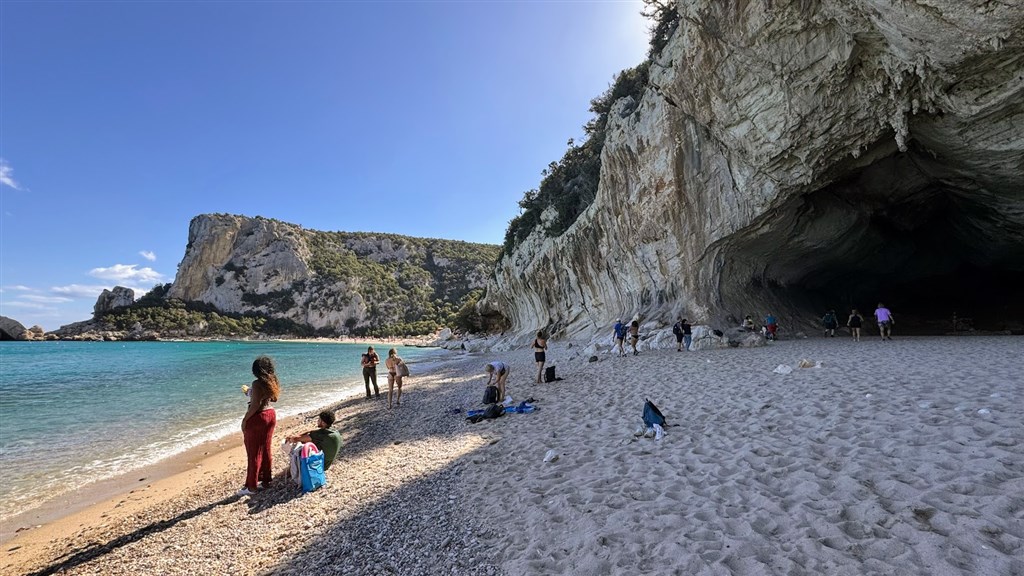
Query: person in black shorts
<point>540,345</point>
<point>854,323</point>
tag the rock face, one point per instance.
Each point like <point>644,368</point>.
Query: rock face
<point>337,282</point>
<point>791,157</point>
<point>11,329</point>
<point>110,300</point>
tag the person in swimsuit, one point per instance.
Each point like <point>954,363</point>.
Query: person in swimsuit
<point>258,425</point>
<point>854,323</point>
<point>540,345</point>
<point>394,376</point>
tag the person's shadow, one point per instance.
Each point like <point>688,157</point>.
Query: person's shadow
<point>281,491</point>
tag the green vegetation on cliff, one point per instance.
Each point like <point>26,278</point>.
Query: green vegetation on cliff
<point>570,185</point>
<point>408,285</point>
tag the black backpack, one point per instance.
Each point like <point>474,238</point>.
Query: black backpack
<point>549,374</point>
<point>491,395</point>
<point>677,328</point>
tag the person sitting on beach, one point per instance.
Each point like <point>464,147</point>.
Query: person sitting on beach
<point>620,336</point>
<point>497,371</point>
<point>748,323</point>
<point>634,335</point>
<point>540,345</point>
<point>885,321</point>
<point>326,439</point>
<point>394,376</point>
<point>854,323</point>
<point>369,363</point>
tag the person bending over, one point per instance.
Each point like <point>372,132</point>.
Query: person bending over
<point>327,440</point>
<point>498,372</point>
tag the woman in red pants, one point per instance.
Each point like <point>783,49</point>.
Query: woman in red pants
<point>258,425</point>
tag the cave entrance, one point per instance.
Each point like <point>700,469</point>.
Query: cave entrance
<point>909,229</point>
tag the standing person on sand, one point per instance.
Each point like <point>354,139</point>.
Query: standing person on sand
<point>394,376</point>
<point>258,425</point>
<point>540,345</point>
<point>854,323</point>
<point>499,370</point>
<point>369,362</point>
<point>830,322</point>
<point>885,321</point>
<point>634,335</point>
<point>677,331</point>
<point>620,336</point>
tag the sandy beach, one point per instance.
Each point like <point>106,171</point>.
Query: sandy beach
<point>900,457</point>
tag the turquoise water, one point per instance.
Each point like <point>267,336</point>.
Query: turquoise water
<point>96,409</point>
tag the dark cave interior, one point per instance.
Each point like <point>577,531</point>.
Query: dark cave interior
<point>907,230</point>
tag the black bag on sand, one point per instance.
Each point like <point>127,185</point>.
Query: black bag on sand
<point>549,374</point>
<point>491,395</point>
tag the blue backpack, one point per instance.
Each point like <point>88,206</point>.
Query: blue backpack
<point>311,467</point>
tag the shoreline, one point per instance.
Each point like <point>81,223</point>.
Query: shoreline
<point>854,465</point>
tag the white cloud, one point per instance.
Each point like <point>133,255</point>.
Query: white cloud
<point>27,305</point>
<point>79,291</point>
<point>7,175</point>
<point>45,299</point>
<point>148,255</point>
<point>127,272</point>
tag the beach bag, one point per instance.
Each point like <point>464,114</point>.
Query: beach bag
<point>491,395</point>
<point>403,370</point>
<point>311,467</point>
<point>549,374</point>
<point>294,464</point>
<point>652,415</point>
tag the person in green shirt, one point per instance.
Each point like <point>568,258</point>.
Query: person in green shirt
<point>327,440</point>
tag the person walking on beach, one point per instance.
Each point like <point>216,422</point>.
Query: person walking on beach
<point>258,425</point>
<point>771,326</point>
<point>854,323</point>
<point>326,439</point>
<point>830,322</point>
<point>497,371</point>
<point>620,336</point>
<point>634,335</point>
<point>885,321</point>
<point>540,345</point>
<point>369,362</point>
<point>394,376</point>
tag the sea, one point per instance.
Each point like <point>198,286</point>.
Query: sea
<point>72,413</point>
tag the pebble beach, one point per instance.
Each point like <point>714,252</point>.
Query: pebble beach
<point>898,457</point>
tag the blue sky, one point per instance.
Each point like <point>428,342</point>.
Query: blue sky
<point>120,122</point>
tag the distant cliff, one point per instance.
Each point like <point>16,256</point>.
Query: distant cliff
<point>792,157</point>
<point>332,282</point>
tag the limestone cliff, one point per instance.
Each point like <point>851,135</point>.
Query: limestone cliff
<point>334,282</point>
<point>798,156</point>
